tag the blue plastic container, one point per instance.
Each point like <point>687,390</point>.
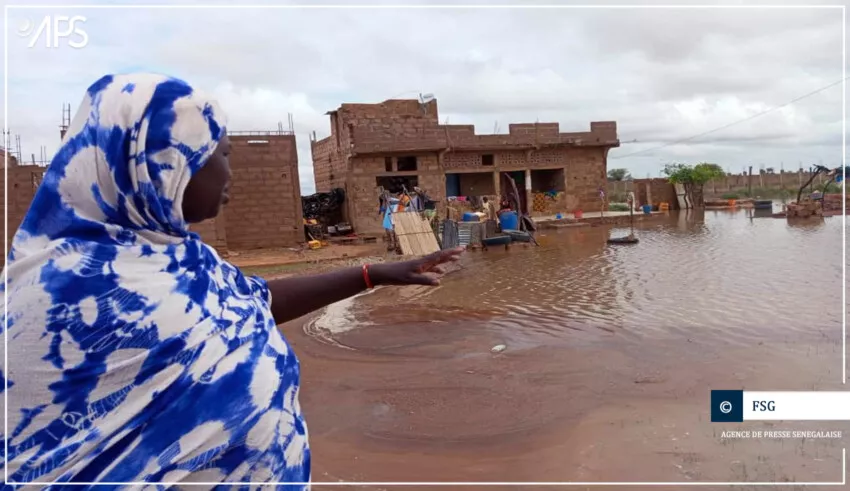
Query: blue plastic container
<point>470,217</point>
<point>647,209</point>
<point>508,220</point>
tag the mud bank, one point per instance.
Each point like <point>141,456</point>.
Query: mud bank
<point>429,402</point>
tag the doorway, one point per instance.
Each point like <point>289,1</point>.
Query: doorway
<point>506,189</point>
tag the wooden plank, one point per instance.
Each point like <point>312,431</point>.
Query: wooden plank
<point>415,236</point>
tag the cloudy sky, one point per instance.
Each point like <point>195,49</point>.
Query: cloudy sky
<point>663,74</point>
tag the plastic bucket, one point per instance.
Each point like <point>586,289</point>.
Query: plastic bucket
<point>647,209</point>
<point>508,220</point>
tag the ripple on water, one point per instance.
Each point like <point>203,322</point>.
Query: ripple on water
<point>718,275</point>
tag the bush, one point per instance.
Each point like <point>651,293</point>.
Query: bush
<point>731,196</point>
<point>832,188</point>
<point>618,197</point>
<point>618,207</point>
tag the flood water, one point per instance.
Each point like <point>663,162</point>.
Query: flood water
<point>611,353</point>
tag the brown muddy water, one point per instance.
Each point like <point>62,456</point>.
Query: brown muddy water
<point>611,353</point>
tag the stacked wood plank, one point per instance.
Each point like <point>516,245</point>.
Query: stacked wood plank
<point>414,233</point>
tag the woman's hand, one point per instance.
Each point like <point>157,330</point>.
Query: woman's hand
<point>423,271</point>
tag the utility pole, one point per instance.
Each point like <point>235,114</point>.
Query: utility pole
<point>750,182</point>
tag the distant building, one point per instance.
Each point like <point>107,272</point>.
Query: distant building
<point>12,160</point>
<point>401,142</point>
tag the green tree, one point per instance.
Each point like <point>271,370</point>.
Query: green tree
<point>619,175</point>
<point>693,179</point>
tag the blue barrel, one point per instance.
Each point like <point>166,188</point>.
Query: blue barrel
<point>647,209</point>
<point>508,220</point>
<point>470,217</point>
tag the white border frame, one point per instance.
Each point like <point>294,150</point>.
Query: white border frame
<point>843,481</point>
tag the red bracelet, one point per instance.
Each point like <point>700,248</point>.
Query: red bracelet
<point>366,278</point>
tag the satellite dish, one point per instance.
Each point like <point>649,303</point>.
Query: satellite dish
<point>426,98</point>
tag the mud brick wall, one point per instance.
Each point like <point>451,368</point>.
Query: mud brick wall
<point>265,203</point>
<point>661,189</point>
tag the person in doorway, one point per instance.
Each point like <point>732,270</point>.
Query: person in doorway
<point>136,354</point>
<point>505,205</point>
<point>488,209</point>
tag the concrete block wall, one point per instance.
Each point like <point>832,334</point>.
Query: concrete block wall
<point>403,125</point>
<point>586,172</point>
<point>362,188</point>
<point>265,204</point>
<point>213,232</point>
<point>738,182</point>
<point>477,184</point>
<point>404,135</point>
<point>660,191</point>
<point>329,165</point>
<point>463,160</point>
<point>23,182</point>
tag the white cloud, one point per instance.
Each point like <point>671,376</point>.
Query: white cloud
<point>663,75</point>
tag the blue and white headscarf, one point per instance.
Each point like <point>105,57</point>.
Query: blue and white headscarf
<point>136,354</point>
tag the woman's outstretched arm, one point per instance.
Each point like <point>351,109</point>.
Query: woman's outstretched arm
<point>294,297</point>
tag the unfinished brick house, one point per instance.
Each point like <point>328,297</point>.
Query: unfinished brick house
<point>401,141</point>
<point>265,197</point>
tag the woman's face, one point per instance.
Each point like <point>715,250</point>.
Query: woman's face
<point>208,188</point>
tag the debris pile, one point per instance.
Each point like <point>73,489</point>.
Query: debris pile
<point>323,207</point>
<point>832,202</point>
<point>804,209</point>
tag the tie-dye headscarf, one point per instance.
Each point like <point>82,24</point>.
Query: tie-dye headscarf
<point>135,354</point>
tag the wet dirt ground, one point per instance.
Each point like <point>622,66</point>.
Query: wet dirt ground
<point>611,353</point>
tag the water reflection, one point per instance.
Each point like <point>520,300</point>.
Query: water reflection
<point>707,275</point>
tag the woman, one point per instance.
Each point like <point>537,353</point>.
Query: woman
<point>135,352</point>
